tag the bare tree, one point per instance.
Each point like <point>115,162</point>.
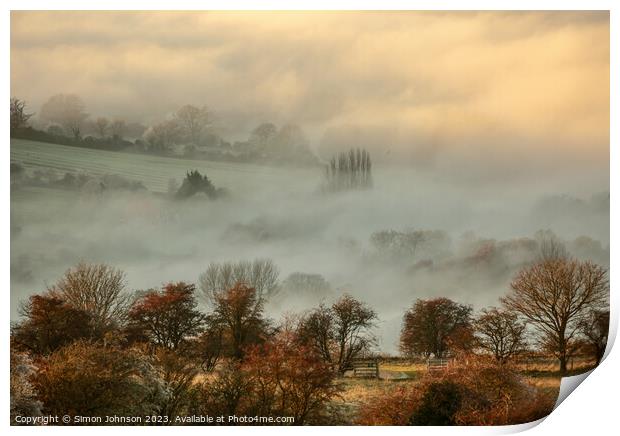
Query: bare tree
<point>193,121</point>
<point>161,136</point>
<point>66,110</point>
<point>117,128</point>
<point>340,333</point>
<point>407,244</point>
<point>101,125</point>
<point>500,332</point>
<point>263,134</point>
<point>96,289</point>
<point>554,296</point>
<point>260,274</point>
<point>550,246</point>
<point>300,284</point>
<point>595,329</point>
<point>19,117</point>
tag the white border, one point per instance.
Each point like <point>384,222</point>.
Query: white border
<point>593,410</point>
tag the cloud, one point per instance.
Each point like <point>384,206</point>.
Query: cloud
<point>433,87</point>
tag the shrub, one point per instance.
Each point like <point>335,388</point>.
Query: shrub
<point>290,380</point>
<point>23,395</point>
<point>90,380</point>
<point>195,183</point>
<point>475,393</point>
<point>390,408</point>
<point>278,378</point>
<point>439,404</point>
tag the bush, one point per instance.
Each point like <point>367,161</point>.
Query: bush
<point>195,183</point>
<point>23,395</point>
<point>476,393</point>
<point>439,404</point>
<point>90,380</point>
<point>390,408</point>
<point>278,378</point>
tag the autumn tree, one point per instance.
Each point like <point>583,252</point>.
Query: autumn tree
<point>193,121</point>
<point>90,380</point>
<point>229,393</point>
<point>66,110</point>
<point>462,341</point>
<point>554,296</point>
<point>97,289</point>
<point>500,332</point>
<point>238,311</point>
<point>167,318</point>
<point>178,374</point>
<point>429,324</point>
<point>209,347</point>
<point>49,323</point>
<point>289,380</point>
<point>260,274</point>
<point>339,333</point>
<point>19,116</point>
<point>595,329</point>
<point>276,378</point>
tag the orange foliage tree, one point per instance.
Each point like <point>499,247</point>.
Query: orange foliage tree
<point>238,312</point>
<point>167,318</point>
<point>429,325</point>
<point>50,323</point>
<point>289,380</point>
<point>277,378</point>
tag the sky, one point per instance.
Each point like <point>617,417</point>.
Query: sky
<point>461,91</point>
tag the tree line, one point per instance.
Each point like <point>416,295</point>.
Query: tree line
<point>86,346</point>
<point>188,132</point>
<point>348,171</point>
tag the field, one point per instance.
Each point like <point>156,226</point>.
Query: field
<point>356,392</point>
<point>153,171</point>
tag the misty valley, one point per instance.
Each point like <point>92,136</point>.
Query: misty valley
<point>306,217</point>
<point>410,236</point>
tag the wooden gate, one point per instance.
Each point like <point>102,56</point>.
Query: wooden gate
<point>365,368</point>
<point>437,365</point>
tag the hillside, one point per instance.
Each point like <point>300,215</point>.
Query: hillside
<point>153,171</point>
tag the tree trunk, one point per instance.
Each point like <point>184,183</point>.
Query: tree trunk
<point>562,365</point>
